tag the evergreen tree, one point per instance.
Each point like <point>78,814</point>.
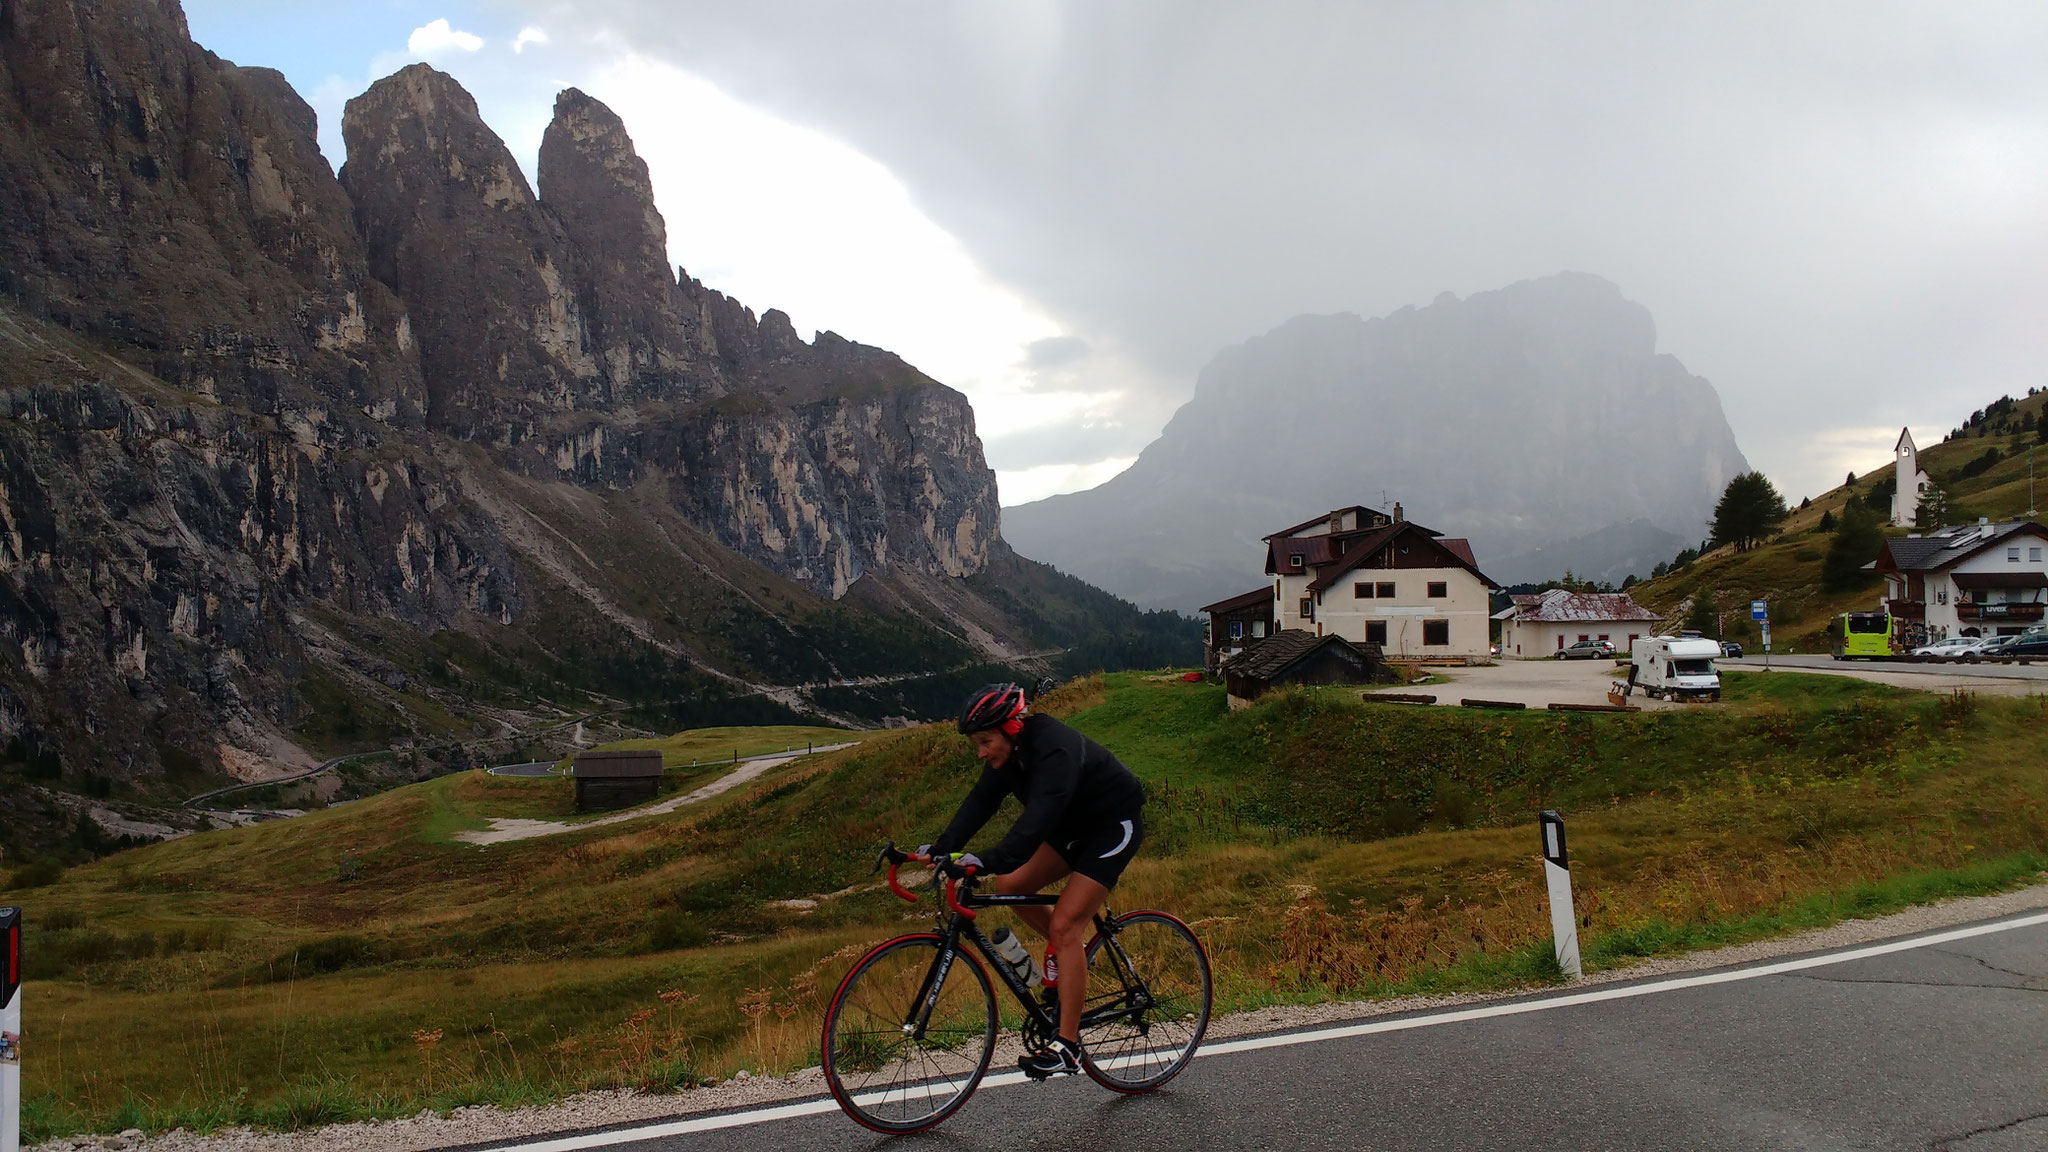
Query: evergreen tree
<point>1827,522</point>
<point>1850,482</point>
<point>1749,509</point>
<point>1936,509</point>
<point>1857,540</point>
<point>1704,616</point>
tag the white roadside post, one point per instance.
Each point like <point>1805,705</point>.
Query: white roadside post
<point>1564,923</point>
<point>10,1030</point>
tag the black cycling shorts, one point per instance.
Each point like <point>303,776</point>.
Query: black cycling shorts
<point>1101,854</point>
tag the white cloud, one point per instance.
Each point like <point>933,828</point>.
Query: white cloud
<point>1024,485</point>
<point>528,35</point>
<point>439,36</point>
<point>781,216</point>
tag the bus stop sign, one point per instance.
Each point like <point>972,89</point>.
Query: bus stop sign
<point>1756,610</point>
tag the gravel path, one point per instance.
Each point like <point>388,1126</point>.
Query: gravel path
<point>600,1109</point>
<point>505,828</point>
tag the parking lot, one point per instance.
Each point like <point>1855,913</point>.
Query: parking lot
<point>1540,683</point>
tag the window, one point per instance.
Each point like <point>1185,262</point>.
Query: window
<point>1436,633</point>
<point>2012,555</point>
<point>1294,559</point>
<point>1386,589</point>
<point>1583,637</point>
<point>1308,611</point>
<point>1603,636</point>
<point>2033,555</point>
<point>1258,629</point>
<point>1560,643</point>
<point>1376,632</point>
<point>1362,590</point>
<point>1439,588</point>
<point>1237,629</point>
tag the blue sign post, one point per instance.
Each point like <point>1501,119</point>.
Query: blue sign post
<point>1760,613</point>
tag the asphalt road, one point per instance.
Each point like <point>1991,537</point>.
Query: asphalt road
<point>2038,670</point>
<point>1936,1046</point>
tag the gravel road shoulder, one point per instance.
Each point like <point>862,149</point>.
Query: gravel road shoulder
<point>603,1109</point>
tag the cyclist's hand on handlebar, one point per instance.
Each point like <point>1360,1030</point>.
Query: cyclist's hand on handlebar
<point>923,854</point>
<point>962,864</point>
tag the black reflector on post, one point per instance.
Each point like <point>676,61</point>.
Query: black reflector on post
<point>10,954</point>
<point>1553,838</point>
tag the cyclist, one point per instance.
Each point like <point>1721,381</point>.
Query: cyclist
<point>1081,821</point>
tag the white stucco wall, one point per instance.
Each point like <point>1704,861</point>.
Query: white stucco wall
<point>1464,605</point>
<point>1538,639</point>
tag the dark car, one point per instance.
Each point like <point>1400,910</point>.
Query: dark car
<point>1731,650</point>
<point>2031,644</point>
<point>1587,650</point>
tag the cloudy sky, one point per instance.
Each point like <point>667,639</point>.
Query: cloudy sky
<point>1838,214</point>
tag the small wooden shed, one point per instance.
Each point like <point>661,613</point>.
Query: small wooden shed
<point>1297,656</point>
<point>615,779</point>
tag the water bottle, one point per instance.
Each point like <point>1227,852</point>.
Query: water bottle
<point>1015,956</point>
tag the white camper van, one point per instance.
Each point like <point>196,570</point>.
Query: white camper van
<point>1676,668</point>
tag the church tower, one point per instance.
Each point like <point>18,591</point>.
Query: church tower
<point>1911,481</point>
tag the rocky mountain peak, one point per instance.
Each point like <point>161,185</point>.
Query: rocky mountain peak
<point>641,328</point>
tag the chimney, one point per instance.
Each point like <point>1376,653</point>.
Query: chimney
<point>1398,517</point>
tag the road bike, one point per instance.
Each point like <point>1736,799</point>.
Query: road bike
<point>910,1032</point>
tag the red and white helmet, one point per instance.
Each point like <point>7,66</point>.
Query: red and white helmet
<point>998,706</point>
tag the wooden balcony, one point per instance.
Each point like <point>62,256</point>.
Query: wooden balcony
<point>2015,612</point>
<point>1907,609</point>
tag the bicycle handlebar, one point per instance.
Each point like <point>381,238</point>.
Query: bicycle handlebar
<point>893,856</point>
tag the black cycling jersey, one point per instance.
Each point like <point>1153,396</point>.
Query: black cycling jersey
<point>1069,784</point>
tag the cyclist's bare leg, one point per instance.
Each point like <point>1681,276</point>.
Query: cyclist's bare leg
<point>1045,867</point>
<point>1071,917</point>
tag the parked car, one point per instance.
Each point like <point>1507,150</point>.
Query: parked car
<point>1950,647</point>
<point>2031,644</point>
<point>1995,646</point>
<point>1731,650</point>
<point>1587,650</point>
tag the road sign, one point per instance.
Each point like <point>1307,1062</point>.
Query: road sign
<point>1757,611</point>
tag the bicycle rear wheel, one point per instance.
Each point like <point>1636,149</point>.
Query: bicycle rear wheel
<point>887,1073</point>
<point>1143,1027</point>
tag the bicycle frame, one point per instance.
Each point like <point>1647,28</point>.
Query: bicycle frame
<point>1131,998</point>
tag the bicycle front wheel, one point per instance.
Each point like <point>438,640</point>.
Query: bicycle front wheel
<point>893,1065</point>
<point>1148,1003</point>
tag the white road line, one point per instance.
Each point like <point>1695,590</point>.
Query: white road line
<point>1289,1039</point>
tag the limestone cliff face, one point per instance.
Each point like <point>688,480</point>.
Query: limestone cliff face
<point>247,406</point>
<point>159,196</point>
<point>554,330</point>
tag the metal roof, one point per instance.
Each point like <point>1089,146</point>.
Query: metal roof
<point>1947,546</point>
<point>1558,605</point>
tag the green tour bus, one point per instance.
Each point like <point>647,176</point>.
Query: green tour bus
<point>1861,635</point>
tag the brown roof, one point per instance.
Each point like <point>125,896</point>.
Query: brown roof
<point>1560,605</point>
<point>1461,547</point>
<point>1269,658</point>
<point>1365,547</point>
<point>1243,600</point>
<point>617,762</point>
<point>1325,519</point>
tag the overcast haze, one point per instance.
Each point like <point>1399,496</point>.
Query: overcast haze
<point>1835,214</point>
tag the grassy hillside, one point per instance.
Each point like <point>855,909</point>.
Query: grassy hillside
<point>1322,848</point>
<point>1787,570</point>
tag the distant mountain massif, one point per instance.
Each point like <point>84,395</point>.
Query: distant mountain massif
<point>1538,420</point>
<point>295,462</point>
